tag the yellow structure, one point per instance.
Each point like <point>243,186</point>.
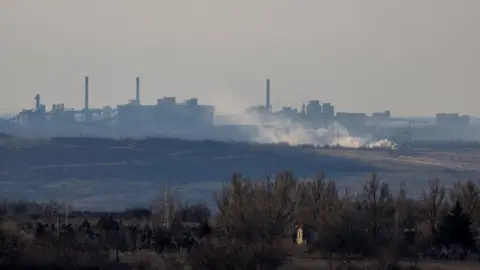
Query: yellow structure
<point>300,236</point>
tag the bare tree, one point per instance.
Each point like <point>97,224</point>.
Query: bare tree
<point>313,198</point>
<point>257,209</point>
<point>470,197</point>
<point>234,202</point>
<point>401,208</point>
<point>434,204</point>
<point>455,193</point>
<point>378,203</point>
<point>194,213</point>
<point>332,223</point>
<point>467,194</point>
<point>257,214</point>
<point>275,205</point>
<point>52,208</point>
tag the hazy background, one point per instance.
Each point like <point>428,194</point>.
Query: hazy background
<point>413,57</point>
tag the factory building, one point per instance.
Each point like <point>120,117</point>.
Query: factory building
<point>166,115</point>
<point>133,116</point>
<point>314,110</point>
<point>258,109</point>
<point>452,120</point>
<point>32,117</point>
<point>262,110</point>
<point>60,116</point>
<point>328,111</point>
<point>290,113</point>
<point>171,118</point>
<point>186,115</point>
<point>381,115</point>
<point>351,120</point>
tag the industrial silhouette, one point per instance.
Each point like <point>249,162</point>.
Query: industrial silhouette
<point>191,120</point>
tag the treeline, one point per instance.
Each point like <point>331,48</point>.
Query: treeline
<point>256,222</point>
<point>372,222</point>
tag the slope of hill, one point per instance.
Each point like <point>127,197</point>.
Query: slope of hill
<point>114,174</point>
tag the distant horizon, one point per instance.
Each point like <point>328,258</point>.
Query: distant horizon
<point>261,96</point>
<point>13,112</point>
<point>4,115</point>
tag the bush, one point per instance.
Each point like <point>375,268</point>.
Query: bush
<point>232,255</point>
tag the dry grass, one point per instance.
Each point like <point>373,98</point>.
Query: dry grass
<point>12,228</point>
<point>151,260</point>
<point>449,265</point>
<point>309,263</point>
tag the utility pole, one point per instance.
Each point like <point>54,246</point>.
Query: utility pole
<point>117,234</point>
<point>58,223</point>
<point>347,197</point>
<point>165,194</point>
<point>174,205</point>
<point>409,136</point>
<point>66,214</point>
<point>396,223</point>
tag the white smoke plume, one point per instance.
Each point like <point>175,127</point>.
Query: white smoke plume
<point>278,129</point>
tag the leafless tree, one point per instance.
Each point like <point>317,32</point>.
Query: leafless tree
<point>401,208</point>
<point>455,193</point>
<point>234,203</point>
<point>312,195</point>
<point>434,203</point>
<point>470,197</point>
<point>378,204</point>
<point>257,213</point>
<point>332,225</point>
<point>194,213</point>
<point>273,206</point>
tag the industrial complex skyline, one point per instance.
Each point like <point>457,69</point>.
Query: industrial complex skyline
<point>316,122</point>
<point>231,107</point>
<point>413,58</point>
<point>265,107</point>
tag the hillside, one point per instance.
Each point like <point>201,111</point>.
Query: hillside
<point>113,174</point>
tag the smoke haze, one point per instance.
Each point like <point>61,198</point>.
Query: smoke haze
<point>279,129</point>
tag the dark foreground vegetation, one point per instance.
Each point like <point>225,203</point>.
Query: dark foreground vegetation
<point>254,227</point>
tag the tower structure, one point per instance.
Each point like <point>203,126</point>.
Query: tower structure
<point>167,207</point>
<point>37,102</point>
<point>268,107</point>
<point>86,109</point>
<point>137,92</point>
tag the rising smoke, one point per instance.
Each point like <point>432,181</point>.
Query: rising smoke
<point>278,129</point>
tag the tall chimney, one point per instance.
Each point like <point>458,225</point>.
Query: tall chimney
<point>137,96</point>
<point>37,102</point>
<point>267,105</point>
<point>86,109</point>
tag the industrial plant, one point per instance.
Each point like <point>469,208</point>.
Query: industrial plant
<point>189,119</point>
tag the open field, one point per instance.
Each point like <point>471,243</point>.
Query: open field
<point>109,174</point>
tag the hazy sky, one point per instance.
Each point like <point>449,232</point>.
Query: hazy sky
<point>415,57</point>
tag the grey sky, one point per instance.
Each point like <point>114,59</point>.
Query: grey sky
<point>415,57</point>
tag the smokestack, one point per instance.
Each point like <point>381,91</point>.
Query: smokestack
<point>86,99</point>
<point>37,102</point>
<point>267,105</point>
<point>137,96</point>
<point>86,93</point>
